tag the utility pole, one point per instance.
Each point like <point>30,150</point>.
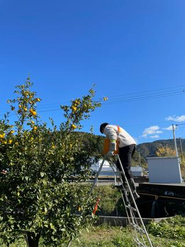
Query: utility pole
<point>173,129</point>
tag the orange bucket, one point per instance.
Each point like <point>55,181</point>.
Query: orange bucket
<point>106,147</point>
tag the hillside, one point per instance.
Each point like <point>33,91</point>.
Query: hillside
<point>143,150</point>
<point>149,149</point>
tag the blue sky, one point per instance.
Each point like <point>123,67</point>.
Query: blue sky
<point>132,50</point>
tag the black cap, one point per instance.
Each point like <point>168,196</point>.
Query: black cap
<point>102,126</point>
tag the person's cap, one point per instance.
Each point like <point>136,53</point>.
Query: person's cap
<point>102,126</point>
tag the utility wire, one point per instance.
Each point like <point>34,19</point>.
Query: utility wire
<point>149,93</point>
<point>142,97</point>
<point>124,98</point>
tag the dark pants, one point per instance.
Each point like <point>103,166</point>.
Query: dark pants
<point>126,154</point>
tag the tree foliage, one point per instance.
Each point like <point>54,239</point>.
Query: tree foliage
<point>163,151</point>
<point>40,169</point>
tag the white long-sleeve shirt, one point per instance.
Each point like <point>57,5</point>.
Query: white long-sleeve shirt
<point>115,132</point>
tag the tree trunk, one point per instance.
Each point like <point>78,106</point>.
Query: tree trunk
<point>32,240</point>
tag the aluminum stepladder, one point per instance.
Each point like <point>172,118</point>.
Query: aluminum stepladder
<point>135,222</point>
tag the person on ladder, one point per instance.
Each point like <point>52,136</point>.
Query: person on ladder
<point>126,146</point>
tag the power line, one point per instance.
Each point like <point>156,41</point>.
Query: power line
<point>153,90</point>
<point>145,95</point>
<point>124,98</point>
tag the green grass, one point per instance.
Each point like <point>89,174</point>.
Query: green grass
<point>166,233</point>
<point>106,236</point>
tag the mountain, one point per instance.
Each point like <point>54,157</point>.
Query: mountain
<point>150,148</point>
<point>95,143</point>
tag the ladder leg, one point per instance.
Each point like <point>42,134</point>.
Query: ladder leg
<point>135,208</point>
<point>96,177</point>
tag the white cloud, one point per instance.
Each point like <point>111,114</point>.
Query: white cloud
<point>152,132</point>
<point>168,128</point>
<point>176,118</point>
<point>154,137</point>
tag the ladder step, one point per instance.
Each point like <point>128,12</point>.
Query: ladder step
<point>140,244</point>
<point>129,196</point>
<point>130,207</point>
<point>120,187</point>
<point>138,228</point>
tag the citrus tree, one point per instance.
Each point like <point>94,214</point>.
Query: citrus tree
<point>41,168</point>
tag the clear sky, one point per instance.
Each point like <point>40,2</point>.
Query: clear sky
<point>133,50</point>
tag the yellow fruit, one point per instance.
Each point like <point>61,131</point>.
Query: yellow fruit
<point>20,106</point>
<point>79,209</point>
<point>16,143</point>
<point>10,141</point>
<point>73,108</point>
<point>105,98</point>
<point>2,135</point>
<point>25,109</point>
<point>32,122</point>
<point>33,112</point>
<point>38,99</point>
<point>35,127</point>
<point>73,126</point>
<point>12,131</point>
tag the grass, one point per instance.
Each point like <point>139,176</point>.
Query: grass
<point>166,233</point>
<point>106,236</point>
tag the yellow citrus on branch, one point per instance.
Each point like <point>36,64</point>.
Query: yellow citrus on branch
<point>34,113</point>
<point>73,108</point>
<point>2,135</point>
<point>73,126</point>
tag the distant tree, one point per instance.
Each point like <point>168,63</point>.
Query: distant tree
<point>40,169</point>
<point>138,160</point>
<point>163,151</point>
